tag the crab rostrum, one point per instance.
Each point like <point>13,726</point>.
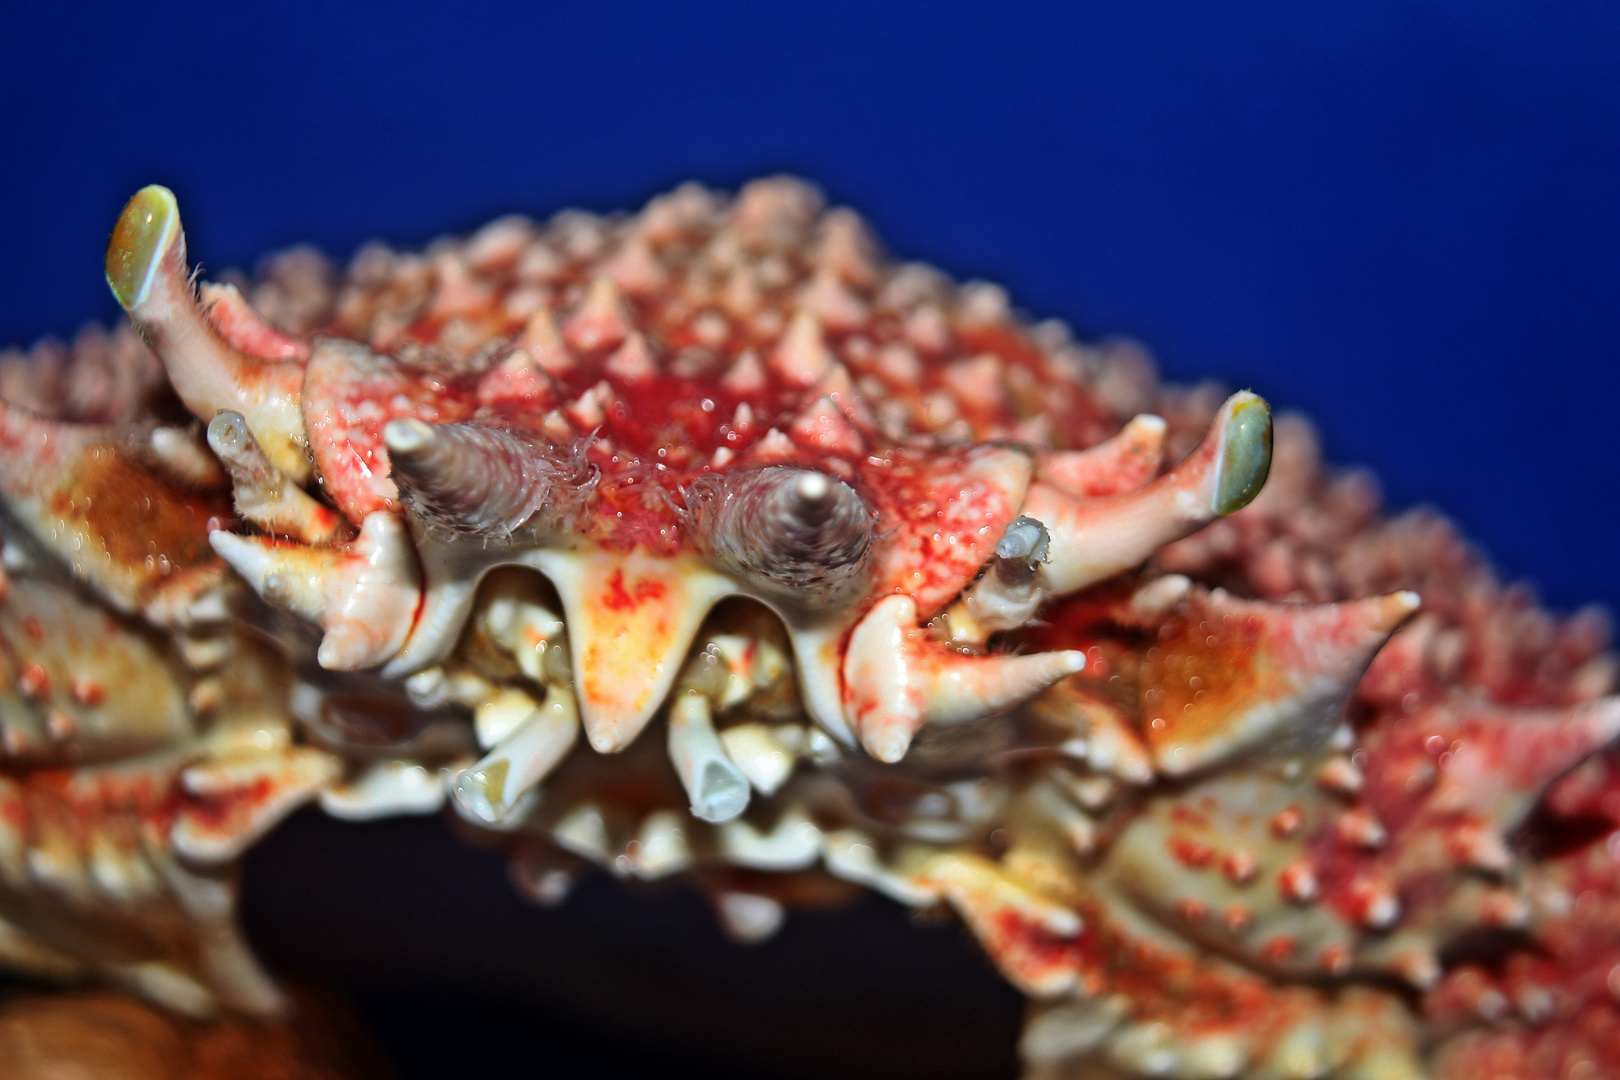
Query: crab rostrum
<point>911,593</point>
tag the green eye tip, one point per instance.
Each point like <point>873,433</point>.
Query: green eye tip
<point>1246,455</point>
<point>143,233</point>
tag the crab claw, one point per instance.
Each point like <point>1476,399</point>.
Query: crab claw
<point>146,269</point>
<point>264,494</point>
<point>897,678</point>
<point>1094,539</point>
<point>364,594</point>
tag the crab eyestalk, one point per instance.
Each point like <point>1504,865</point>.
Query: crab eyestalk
<point>147,272</point>
<point>797,535</point>
<point>1094,539</point>
<point>469,478</point>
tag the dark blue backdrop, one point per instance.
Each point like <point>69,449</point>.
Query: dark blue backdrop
<point>1402,218</point>
<point>1399,217</point>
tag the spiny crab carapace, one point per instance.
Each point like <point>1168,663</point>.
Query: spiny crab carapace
<point>901,584</point>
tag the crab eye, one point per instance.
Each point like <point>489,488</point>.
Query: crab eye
<point>797,535</point>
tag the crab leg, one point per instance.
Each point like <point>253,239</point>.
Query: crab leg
<point>146,268</point>
<point>718,789</point>
<point>493,790</point>
<point>81,495</point>
<point>1288,668</point>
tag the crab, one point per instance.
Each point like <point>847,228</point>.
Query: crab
<point>710,540</point>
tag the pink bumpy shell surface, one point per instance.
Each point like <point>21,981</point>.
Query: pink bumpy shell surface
<point>911,593</point>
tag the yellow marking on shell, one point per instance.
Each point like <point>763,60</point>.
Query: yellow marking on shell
<point>631,619</point>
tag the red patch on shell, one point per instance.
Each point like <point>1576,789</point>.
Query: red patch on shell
<point>619,598</point>
<point>350,395</point>
<point>944,513</point>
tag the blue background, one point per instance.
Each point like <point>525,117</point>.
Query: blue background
<point>1401,218</point>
